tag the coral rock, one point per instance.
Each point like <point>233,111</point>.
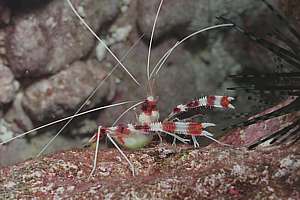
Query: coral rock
<point>8,85</point>
<point>162,173</point>
<point>64,91</point>
<point>174,14</point>
<point>45,40</point>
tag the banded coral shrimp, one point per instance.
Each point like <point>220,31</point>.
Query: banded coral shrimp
<point>220,101</point>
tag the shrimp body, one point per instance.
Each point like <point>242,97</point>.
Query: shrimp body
<point>136,139</point>
<point>130,137</point>
<point>126,135</point>
<point>149,112</point>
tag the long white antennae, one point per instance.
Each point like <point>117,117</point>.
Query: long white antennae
<point>126,111</point>
<point>101,41</point>
<point>64,119</point>
<point>87,100</point>
<point>151,40</point>
<point>78,110</point>
<point>162,60</point>
<point>167,54</point>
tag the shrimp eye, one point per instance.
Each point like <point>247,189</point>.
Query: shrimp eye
<point>102,132</point>
<point>145,106</point>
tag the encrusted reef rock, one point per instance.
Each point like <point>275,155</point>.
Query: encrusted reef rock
<point>182,17</point>
<point>8,85</point>
<point>52,36</point>
<point>175,16</point>
<point>66,90</point>
<point>162,173</point>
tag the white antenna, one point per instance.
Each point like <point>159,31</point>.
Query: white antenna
<point>151,40</point>
<point>88,98</point>
<point>64,119</point>
<point>160,63</point>
<point>101,41</point>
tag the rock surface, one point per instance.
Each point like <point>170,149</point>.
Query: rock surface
<point>3,60</point>
<point>183,17</point>
<point>173,16</point>
<point>290,9</point>
<point>52,36</point>
<point>163,173</point>
<point>8,85</point>
<point>245,136</point>
<point>64,91</point>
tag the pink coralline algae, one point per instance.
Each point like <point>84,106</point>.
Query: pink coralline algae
<point>164,172</point>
